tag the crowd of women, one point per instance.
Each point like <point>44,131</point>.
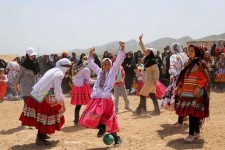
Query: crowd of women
<point>180,78</point>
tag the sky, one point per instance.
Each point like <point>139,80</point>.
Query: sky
<point>51,26</point>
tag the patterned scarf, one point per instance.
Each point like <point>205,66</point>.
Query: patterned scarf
<point>102,79</point>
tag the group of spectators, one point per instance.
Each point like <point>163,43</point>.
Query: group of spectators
<point>214,57</point>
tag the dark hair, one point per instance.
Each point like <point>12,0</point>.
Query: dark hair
<point>198,52</point>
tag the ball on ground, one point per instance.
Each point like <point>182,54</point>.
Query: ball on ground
<point>108,139</point>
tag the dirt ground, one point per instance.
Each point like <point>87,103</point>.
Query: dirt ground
<point>138,133</point>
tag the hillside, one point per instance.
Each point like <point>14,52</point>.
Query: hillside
<point>132,45</point>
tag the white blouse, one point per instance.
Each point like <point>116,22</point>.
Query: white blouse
<point>83,76</point>
<point>51,79</point>
<point>105,92</point>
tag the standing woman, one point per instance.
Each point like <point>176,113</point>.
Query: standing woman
<point>177,61</point>
<point>81,91</point>
<point>45,107</point>
<point>192,92</point>
<point>151,76</point>
<point>97,60</point>
<point>129,66</point>
<point>220,73</point>
<point>12,70</point>
<point>27,74</point>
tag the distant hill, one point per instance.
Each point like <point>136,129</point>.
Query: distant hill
<point>163,42</point>
<point>132,45</point>
<point>213,37</point>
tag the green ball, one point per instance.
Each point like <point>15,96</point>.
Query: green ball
<point>108,139</point>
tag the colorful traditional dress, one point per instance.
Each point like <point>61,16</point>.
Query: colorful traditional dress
<point>176,65</point>
<point>43,107</point>
<point>220,73</point>
<point>196,76</point>
<point>81,92</point>
<point>101,107</point>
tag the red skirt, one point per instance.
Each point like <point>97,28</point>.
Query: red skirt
<point>100,110</point>
<point>81,95</point>
<point>160,89</point>
<point>43,116</point>
<point>3,88</point>
<point>191,106</point>
<point>220,78</point>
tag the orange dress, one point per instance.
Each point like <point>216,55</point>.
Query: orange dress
<point>188,104</point>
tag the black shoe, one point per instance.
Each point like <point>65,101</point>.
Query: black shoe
<point>127,108</point>
<point>101,132</point>
<point>45,136</point>
<point>137,112</point>
<point>156,113</point>
<point>76,122</point>
<point>40,141</point>
<point>118,141</point>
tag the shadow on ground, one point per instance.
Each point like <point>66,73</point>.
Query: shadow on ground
<point>181,144</point>
<point>171,129</point>
<point>13,130</point>
<point>72,128</point>
<point>33,146</point>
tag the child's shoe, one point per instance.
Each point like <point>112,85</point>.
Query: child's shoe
<point>118,141</point>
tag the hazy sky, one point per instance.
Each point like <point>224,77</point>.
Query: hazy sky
<point>56,25</point>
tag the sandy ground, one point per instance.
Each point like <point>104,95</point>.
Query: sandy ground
<point>138,133</point>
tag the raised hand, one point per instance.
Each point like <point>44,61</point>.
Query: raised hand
<point>91,51</point>
<point>140,37</point>
<point>122,45</point>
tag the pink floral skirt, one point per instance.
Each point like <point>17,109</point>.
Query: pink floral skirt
<point>100,110</point>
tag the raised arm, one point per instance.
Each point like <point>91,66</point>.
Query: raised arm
<point>142,44</point>
<point>91,63</point>
<point>119,60</point>
<point>116,66</point>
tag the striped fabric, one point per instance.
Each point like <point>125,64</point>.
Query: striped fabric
<point>45,117</point>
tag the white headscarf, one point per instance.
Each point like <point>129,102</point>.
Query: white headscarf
<point>154,51</point>
<point>41,88</point>
<point>108,60</point>
<point>62,63</point>
<point>177,49</point>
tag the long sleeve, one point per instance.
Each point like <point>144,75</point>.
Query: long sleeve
<point>203,80</point>
<point>114,70</point>
<point>21,71</point>
<point>88,76</point>
<point>92,65</point>
<point>57,87</point>
<point>142,46</point>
